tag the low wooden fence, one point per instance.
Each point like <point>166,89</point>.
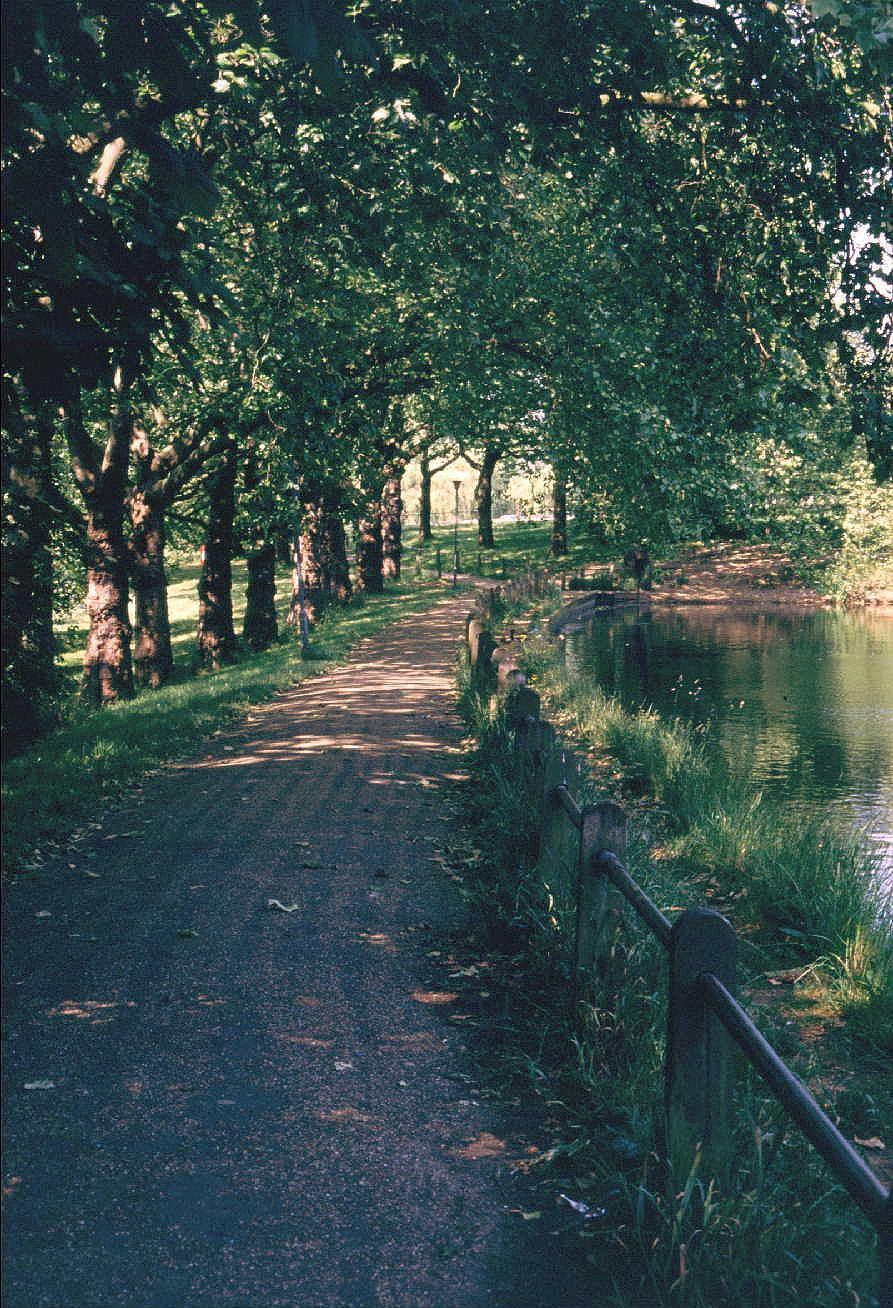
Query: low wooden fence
<point>705,1022</point>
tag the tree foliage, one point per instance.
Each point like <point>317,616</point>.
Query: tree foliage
<point>295,243</point>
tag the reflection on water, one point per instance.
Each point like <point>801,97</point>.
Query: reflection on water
<point>802,701</point>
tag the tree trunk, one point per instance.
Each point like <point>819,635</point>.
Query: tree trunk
<point>153,658</point>
<point>216,635</point>
<point>108,669</point>
<point>311,553</point>
<point>483,498</point>
<point>369,551</point>
<point>337,567</point>
<point>323,553</point>
<point>559,515</point>
<point>261,627</point>
<point>28,647</point>
<point>391,528</point>
<point>425,532</point>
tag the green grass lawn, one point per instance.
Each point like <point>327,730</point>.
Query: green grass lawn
<point>518,545</point>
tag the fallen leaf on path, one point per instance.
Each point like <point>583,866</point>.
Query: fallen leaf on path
<point>342,1115</point>
<point>483,1146</point>
<point>40,1085</point>
<point>434,996</point>
<point>873,1142</point>
<point>282,908</point>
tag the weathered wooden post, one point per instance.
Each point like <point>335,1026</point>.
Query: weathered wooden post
<point>699,1066</point>
<point>482,664</point>
<point>559,841</point>
<point>439,563</point>
<point>604,828</point>
<point>521,705</point>
<point>475,630</point>
<point>508,674</point>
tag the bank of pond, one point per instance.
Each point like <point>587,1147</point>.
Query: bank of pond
<point>799,703</point>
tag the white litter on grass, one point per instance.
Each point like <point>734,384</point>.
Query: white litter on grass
<point>282,908</point>
<point>584,1210</point>
<point>40,1085</point>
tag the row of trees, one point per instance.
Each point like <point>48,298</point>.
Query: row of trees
<point>259,256</point>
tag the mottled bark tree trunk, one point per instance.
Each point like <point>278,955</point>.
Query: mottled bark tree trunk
<point>261,627</point>
<point>338,568</point>
<point>483,498</point>
<point>216,635</point>
<point>310,557</point>
<point>559,515</point>
<point>426,475</point>
<point>391,528</point>
<point>153,658</point>
<point>28,647</point>
<point>108,669</point>
<point>323,553</point>
<point>369,551</point>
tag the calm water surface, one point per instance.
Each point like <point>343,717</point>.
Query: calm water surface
<point>802,701</point>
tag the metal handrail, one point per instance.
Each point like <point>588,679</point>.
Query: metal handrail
<point>611,866</point>
<point>569,804</point>
<point>850,1169</point>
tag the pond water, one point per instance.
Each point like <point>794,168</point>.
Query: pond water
<point>802,701</point>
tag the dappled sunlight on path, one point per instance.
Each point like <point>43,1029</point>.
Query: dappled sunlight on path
<point>252,1067</point>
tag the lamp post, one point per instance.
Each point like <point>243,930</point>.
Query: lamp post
<point>456,484</point>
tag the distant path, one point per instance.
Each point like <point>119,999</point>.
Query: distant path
<point>256,1108</point>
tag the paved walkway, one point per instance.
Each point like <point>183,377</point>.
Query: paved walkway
<point>245,1106</point>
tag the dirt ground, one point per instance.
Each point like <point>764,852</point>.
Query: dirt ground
<point>745,575</point>
<point>236,1074</point>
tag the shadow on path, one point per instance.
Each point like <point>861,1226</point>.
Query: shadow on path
<point>233,1105</point>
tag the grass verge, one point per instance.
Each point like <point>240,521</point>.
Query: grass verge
<point>782,1233</point>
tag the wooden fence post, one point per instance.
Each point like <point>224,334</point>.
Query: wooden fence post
<point>559,840</point>
<point>474,631</point>
<point>522,703</point>
<point>439,563</point>
<point>604,827</point>
<point>699,1067</point>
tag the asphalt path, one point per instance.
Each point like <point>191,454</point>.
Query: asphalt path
<point>211,1101</point>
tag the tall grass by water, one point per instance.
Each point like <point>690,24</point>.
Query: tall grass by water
<point>812,928</point>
